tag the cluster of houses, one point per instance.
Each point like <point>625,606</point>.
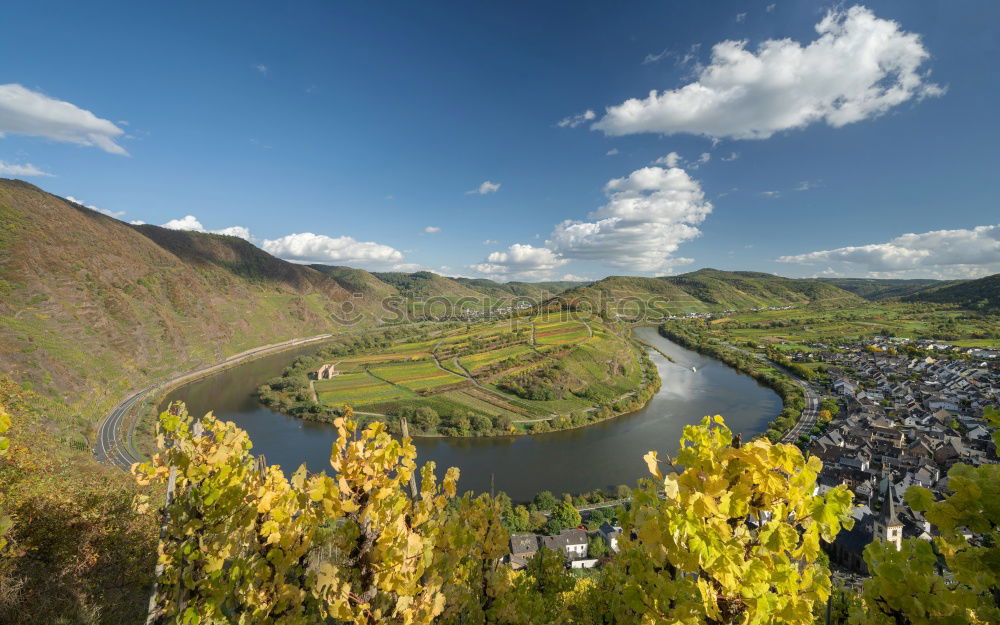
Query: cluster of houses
<point>904,422</point>
<point>571,543</point>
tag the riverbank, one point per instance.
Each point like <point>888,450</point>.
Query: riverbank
<point>793,395</point>
<point>114,446</point>
<point>601,455</point>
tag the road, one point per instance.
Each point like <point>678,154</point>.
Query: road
<point>110,449</point>
<point>114,446</point>
<point>807,420</point>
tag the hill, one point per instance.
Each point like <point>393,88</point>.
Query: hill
<point>91,307</point>
<point>982,294</point>
<point>877,289</point>
<point>709,290</point>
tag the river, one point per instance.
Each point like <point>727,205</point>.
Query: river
<point>573,461</point>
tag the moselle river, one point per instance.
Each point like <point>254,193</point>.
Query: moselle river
<point>600,455</point>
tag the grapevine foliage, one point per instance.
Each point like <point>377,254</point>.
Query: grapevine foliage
<point>242,544</point>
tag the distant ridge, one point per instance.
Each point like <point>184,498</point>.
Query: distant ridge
<point>982,294</point>
<point>714,290</point>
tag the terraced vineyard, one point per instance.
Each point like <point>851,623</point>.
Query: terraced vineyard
<point>511,376</point>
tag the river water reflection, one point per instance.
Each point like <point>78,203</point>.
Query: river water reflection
<point>600,455</point>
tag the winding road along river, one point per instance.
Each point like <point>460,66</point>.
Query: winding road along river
<point>600,455</point>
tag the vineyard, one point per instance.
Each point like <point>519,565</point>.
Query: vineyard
<point>513,376</point>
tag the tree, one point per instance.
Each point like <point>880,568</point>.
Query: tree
<point>563,516</point>
<point>596,547</point>
<point>909,585</point>
<point>544,500</point>
<point>695,556</point>
<point>426,418</point>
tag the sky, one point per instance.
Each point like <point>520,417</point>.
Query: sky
<point>525,140</point>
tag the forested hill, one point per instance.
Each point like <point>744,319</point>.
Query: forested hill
<point>877,289</point>
<point>91,307</point>
<point>982,294</point>
<point>714,290</point>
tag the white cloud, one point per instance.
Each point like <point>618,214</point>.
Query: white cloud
<point>575,120</point>
<point>27,112</point>
<point>137,222</point>
<point>109,213</point>
<point>520,261</point>
<point>770,8</point>
<point>572,277</point>
<point>943,253</point>
<point>489,242</point>
<point>656,58</point>
<point>741,17</point>
<point>648,215</point>
<point>263,69</point>
<point>732,156</point>
<point>670,160</point>
<point>432,229</point>
<point>13,169</point>
<point>485,188</point>
<point>318,248</point>
<point>704,158</point>
<point>188,222</point>
<point>859,67</point>
<point>771,193</point>
<point>612,152</point>
<point>191,223</point>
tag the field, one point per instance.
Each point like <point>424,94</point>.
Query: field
<point>357,388</point>
<point>561,332</point>
<point>797,328</point>
<point>515,373</point>
<point>418,376</point>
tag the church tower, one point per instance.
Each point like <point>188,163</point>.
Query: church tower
<point>887,524</point>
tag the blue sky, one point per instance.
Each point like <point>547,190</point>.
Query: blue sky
<point>835,140</point>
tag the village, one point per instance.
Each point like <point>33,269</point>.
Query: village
<point>904,420</point>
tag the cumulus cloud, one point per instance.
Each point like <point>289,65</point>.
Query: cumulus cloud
<point>27,112</point>
<point>612,152</point>
<point>263,69</point>
<point>859,67</point>
<point>13,169</point>
<point>432,229</point>
<point>190,222</point>
<point>520,261</point>
<point>485,188</point>
<point>109,213</point>
<point>575,120</point>
<point>741,17</point>
<point>770,8</point>
<point>307,247</point>
<point>648,215</point>
<point>731,157</point>
<point>943,253</point>
<point>670,160</point>
<point>572,277</point>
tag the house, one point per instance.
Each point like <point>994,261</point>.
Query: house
<point>610,534</point>
<point>522,548</point>
<point>572,543</point>
<point>327,371</point>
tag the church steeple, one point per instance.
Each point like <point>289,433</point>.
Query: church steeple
<point>888,527</point>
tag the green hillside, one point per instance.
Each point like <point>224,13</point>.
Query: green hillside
<point>982,294</point>
<point>91,307</point>
<point>707,290</point>
<point>878,289</point>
